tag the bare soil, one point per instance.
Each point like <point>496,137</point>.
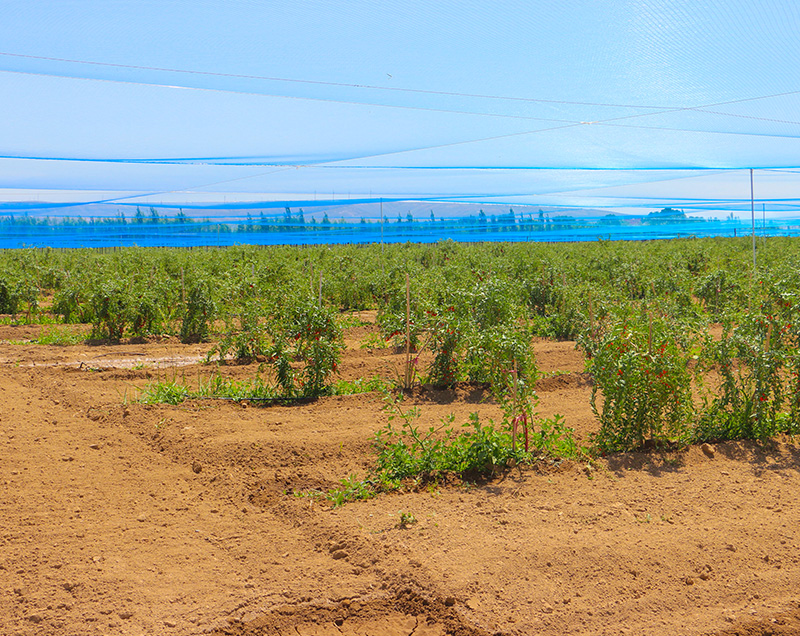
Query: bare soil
<point>124,518</point>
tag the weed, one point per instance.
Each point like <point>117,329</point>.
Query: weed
<point>406,520</point>
<point>41,319</point>
<point>372,341</point>
<point>482,449</point>
<point>360,385</point>
<point>218,387</point>
<point>350,321</point>
<point>167,392</point>
<point>352,488</point>
<point>61,337</point>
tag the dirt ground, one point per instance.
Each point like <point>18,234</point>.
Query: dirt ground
<point>124,518</point>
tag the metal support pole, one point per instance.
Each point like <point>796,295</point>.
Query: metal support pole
<point>753,216</point>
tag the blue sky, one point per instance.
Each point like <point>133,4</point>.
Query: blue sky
<point>620,104</point>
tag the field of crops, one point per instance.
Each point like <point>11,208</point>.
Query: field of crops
<point>447,438</point>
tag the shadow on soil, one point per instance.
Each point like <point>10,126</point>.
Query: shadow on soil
<point>762,456</point>
<point>655,462</point>
<point>787,624</point>
<point>772,455</point>
<point>400,614</point>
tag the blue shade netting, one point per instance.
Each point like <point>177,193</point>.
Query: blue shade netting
<point>615,107</point>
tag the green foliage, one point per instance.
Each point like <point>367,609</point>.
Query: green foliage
<point>641,365</point>
<point>110,310</point>
<point>316,338</point>
<point>304,351</point>
<point>145,312</point>
<point>475,307</point>
<point>477,449</point>
<point>167,392</point>
<point>494,352</point>
<point>18,294</point>
<point>360,385</point>
<point>198,313</point>
<point>752,360</point>
<point>392,319</point>
<point>493,302</point>
<point>9,296</point>
<point>174,391</point>
<point>60,337</point>
<point>720,292</point>
<point>246,341</point>
<point>446,338</point>
<point>351,489</point>
<point>258,388</point>
<point>543,290</point>
<point>71,303</point>
<point>406,519</point>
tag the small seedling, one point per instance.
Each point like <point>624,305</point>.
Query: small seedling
<point>406,520</point>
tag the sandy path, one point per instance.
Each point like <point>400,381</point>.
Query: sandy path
<point>156,519</point>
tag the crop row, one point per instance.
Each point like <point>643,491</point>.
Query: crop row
<point>640,311</point>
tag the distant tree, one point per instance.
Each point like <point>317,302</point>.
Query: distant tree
<point>610,219</point>
<point>154,217</point>
<point>669,212</point>
<point>511,220</point>
<point>139,216</point>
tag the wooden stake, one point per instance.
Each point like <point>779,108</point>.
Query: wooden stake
<point>514,410</point>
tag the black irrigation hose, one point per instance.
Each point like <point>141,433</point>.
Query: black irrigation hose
<point>253,399</point>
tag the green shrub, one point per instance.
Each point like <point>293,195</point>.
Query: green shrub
<point>110,310</point>
<point>9,296</point>
<point>198,313</point>
<point>751,360</point>
<point>641,367</point>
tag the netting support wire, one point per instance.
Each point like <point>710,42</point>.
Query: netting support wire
<point>753,218</point>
